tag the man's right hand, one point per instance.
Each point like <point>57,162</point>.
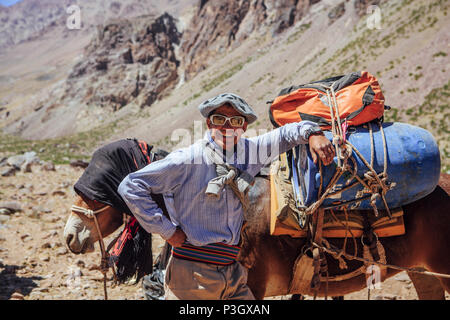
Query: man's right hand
<point>177,239</point>
<point>321,147</point>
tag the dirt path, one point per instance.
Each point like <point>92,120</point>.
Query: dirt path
<point>36,265</point>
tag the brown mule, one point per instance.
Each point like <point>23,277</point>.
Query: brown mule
<point>271,258</point>
<point>425,245</point>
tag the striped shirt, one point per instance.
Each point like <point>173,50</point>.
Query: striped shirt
<point>182,178</point>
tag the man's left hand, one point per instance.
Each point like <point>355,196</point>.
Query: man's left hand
<point>321,147</point>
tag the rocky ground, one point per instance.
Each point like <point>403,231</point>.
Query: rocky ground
<point>35,263</point>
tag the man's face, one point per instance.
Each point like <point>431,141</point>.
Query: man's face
<point>226,135</point>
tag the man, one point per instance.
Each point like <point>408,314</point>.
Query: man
<point>205,204</point>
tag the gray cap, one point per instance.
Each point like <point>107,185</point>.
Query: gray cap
<point>237,102</point>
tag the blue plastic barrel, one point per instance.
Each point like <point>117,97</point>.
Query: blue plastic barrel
<point>413,164</point>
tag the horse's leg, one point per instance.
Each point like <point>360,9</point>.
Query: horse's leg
<point>257,281</point>
<point>430,219</point>
<point>437,257</point>
<point>445,284</point>
<point>427,287</point>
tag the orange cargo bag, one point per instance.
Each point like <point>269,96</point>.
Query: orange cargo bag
<point>358,96</point>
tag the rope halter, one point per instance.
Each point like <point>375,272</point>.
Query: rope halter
<point>87,212</point>
<point>91,214</point>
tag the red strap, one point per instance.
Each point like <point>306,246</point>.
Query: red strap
<point>143,146</point>
<point>118,247</point>
<point>344,130</point>
<point>128,233</point>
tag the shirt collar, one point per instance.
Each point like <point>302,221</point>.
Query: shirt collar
<point>217,147</point>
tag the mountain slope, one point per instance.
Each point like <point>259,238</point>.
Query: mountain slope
<point>408,55</point>
<point>407,50</point>
<point>33,71</point>
<point>30,19</point>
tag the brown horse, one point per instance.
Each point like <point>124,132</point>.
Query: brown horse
<point>271,258</point>
<point>424,245</point>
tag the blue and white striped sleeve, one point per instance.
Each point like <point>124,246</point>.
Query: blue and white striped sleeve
<point>275,142</point>
<point>162,176</point>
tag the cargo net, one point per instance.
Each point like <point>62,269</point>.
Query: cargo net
<point>375,184</point>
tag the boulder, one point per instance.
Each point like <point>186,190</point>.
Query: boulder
<point>11,206</point>
<point>31,157</point>
<point>23,161</point>
<point>8,171</point>
<point>79,163</point>
<point>16,161</point>
<point>48,166</point>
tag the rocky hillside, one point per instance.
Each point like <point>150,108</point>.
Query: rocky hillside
<point>27,19</point>
<point>406,47</point>
<point>127,61</point>
<point>31,19</point>
<point>40,68</point>
<point>254,48</point>
<point>220,26</point>
<point>143,46</point>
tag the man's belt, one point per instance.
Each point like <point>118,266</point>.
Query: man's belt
<point>215,253</point>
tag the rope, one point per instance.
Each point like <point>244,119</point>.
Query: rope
<point>335,129</point>
<point>347,230</point>
<point>372,147</point>
<point>312,208</point>
<point>87,212</point>
<point>384,150</point>
<point>337,111</point>
<point>333,251</point>
<point>373,183</point>
<point>104,266</point>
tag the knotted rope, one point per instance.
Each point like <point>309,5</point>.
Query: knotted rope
<point>373,183</point>
<point>333,251</point>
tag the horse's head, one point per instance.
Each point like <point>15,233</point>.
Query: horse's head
<point>80,232</point>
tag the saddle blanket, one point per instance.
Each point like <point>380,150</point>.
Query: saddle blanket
<point>284,220</point>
